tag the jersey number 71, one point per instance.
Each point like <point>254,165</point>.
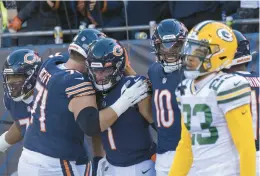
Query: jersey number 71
<point>40,101</point>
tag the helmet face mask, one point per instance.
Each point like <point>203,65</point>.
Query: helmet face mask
<point>212,45</point>
<point>167,42</point>
<point>14,84</point>
<point>104,78</point>
<point>106,63</point>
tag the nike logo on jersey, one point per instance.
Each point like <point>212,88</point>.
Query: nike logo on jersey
<point>106,168</point>
<point>80,78</point>
<point>243,113</point>
<point>144,172</point>
<point>235,84</point>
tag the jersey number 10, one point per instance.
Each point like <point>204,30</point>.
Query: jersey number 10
<point>164,112</point>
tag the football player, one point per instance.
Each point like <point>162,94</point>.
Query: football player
<point>19,75</point>
<point>64,107</point>
<point>239,66</point>
<point>127,141</point>
<point>165,75</point>
<point>217,128</point>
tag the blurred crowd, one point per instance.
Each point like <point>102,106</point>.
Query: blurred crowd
<point>25,16</point>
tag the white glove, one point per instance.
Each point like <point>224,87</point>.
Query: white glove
<point>130,96</point>
<point>3,144</point>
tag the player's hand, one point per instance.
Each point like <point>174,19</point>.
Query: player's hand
<point>16,24</point>
<point>3,144</point>
<point>135,93</point>
<point>130,96</point>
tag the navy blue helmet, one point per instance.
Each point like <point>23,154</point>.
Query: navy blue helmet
<point>83,39</point>
<point>106,63</point>
<point>20,72</point>
<point>167,41</point>
<point>243,54</point>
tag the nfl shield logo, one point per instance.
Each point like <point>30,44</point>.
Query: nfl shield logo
<point>164,80</point>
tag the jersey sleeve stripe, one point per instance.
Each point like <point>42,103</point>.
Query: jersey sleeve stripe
<point>77,86</point>
<point>230,91</point>
<point>223,101</point>
<point>89,88</point>
<point>86,93</point>
<point>233,94</point>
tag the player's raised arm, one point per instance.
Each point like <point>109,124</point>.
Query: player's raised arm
<point>93,121</point>
<point>98,121</point>
<point>234,100</point>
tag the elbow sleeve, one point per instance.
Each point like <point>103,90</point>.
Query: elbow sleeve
<point>88,121</point>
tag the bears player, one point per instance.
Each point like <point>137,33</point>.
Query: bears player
<point>165,75</point>
<point>64,107</point>
<point>215,107</point>
<point>239,66</point>
<point>127,141</point>
<point>19,77</point>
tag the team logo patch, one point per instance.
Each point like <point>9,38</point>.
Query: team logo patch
<point>118,50</point>
<point>224,34</point>
<point>30,58</point>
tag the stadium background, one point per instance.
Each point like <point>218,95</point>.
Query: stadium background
<point>141,56</point>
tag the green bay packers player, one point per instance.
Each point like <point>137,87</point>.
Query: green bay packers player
<point>217,133</point>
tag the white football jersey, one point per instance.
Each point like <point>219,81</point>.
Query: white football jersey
<point>214,152</point>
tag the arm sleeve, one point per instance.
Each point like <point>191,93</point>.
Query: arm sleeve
<point>239,122</point>
<point>183,158</point>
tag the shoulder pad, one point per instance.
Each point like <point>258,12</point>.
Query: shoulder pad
<point>77,84</point>
<point>232,92</point>
<point>231,83</point>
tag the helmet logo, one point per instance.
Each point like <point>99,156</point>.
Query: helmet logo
<point>83,39</point>
<point>118,50</point>
<point>225,35</point>
<point>30,58</point>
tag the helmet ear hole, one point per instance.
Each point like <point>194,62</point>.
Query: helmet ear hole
<point>223,57</point>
